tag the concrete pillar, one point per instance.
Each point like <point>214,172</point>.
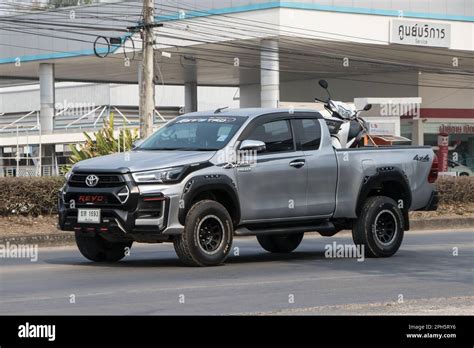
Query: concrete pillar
<point>249,96</point>
<point>190,85</point>
<point>269,74</point>
<point>47,96</point>
<point>417,137</point>
<point>190,97</point>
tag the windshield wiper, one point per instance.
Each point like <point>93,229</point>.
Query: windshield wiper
<point>202,149</point>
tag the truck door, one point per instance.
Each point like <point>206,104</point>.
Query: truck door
<point>275,187</point>
<point>321,164</point>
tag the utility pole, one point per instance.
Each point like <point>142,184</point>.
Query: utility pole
<point>147,86</point>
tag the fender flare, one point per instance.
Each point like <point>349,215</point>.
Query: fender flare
<point>383,175</point>
<point>207,183</point>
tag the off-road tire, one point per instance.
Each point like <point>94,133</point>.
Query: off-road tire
<point>193,247</point>
<point>379,227</point>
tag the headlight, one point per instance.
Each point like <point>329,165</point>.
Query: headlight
<point>68,175</point>
<point>158,176</point>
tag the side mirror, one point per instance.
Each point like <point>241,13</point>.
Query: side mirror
<point>324,84</point>
<point>367,107</point>
<point>137,143</point>
<point>255,145</point>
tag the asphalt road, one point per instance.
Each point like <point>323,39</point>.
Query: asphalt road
<point>152,281</point>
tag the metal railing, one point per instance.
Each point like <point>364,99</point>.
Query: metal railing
<point>64,121</point>
<point>32,170</point>
<point>16,125</point>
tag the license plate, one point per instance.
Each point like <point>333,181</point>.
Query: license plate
<point>88,216</point>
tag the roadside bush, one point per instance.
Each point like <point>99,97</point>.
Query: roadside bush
<point>456,190</point>
<point>29,196</point>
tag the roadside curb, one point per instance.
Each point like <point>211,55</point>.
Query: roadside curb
<point>441,223</point>
<point>67,238</point>
<point>52,239</point>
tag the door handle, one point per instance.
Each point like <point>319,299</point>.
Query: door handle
<point>297,163</point>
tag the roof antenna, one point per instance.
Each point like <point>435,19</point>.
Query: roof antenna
<point>218,111</point>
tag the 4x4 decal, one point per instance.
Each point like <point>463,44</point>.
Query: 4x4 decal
<point>419,158</point>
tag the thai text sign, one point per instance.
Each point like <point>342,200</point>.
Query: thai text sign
<point>420,33</point>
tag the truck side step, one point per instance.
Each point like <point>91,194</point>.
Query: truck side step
<point>325,228</point>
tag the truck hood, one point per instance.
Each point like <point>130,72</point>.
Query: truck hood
<point>137,161</point>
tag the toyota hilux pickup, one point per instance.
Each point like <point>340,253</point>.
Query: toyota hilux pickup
<point>206,177</point>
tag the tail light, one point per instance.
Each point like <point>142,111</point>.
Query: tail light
<point>434,170</point>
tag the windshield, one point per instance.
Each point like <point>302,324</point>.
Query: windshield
<point>197,133</point>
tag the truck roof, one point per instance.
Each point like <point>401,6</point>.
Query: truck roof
<point>248,112</point>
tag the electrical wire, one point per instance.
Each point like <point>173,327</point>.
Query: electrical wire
<point>284,55</point>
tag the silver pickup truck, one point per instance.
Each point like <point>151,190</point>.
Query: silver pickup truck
<point>206,177</point>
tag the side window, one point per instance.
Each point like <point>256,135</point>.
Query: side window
<point>276,135</point>
<point>309,133</point>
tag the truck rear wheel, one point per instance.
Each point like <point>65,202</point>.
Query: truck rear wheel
<point>100,250</point>
<point>207,236</point>
<point>379,227</point>
<point>283,243</point>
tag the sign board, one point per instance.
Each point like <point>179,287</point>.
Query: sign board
<point>382,128</point>
<point>417,33</point>
<point>383,125</point>
<point>456,128</point>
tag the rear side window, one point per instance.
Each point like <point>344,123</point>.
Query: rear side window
<point>308,131</point>
<point>276,135</point>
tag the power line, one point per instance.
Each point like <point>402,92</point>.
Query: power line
<point>200,57</point>
<point>285,55</point>
<point>293,39</point>
<point>305,53</point>
<point>209,16</point>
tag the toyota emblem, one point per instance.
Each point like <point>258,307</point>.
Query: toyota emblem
<point>92,180</point>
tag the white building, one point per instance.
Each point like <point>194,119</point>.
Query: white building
<point>273,52</point>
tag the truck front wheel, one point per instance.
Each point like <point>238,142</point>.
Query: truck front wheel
<point>207,236</point>
<point>100,250</point>
<point>379,227</point>
<point>284,243</point>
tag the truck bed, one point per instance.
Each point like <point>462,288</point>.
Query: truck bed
<point>354,165</point>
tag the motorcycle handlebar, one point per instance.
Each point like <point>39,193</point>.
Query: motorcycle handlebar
<point>321,101</point>
<point>334,113</point>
